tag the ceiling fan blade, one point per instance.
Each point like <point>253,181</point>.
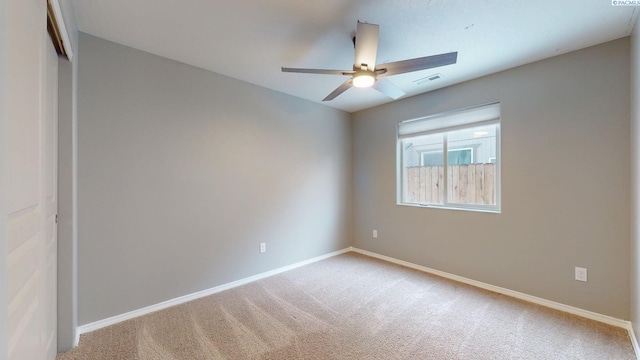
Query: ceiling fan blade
<point>342,88</point>
<point>388,88</point>
<point>317,71</point>
<point>366,45</point>
<point>427,62</point>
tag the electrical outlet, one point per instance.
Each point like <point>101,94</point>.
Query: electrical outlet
<point>263,247</point>
<point>375,234</point>
<point>581,274</point>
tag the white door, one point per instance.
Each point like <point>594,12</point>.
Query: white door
<point>31,183</point>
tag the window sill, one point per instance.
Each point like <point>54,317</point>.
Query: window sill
<point>448,207</point>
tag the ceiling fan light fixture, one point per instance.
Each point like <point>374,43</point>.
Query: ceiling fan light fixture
<point>363,79</point>
<point>365,71</point>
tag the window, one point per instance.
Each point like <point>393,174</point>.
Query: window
<point>454,157</point>
<point>468,142</point>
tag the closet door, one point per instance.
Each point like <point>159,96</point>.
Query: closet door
<point>31,183</point>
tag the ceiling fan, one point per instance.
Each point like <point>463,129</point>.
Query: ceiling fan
<point>365,73</point>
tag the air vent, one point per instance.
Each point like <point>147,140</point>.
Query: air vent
<point>428,79</point>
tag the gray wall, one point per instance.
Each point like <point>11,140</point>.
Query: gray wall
<point>183,172</point>
<point>635,178</point>
<point>565,183</point>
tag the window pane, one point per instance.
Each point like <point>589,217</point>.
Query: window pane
<point>471,165</point>
<point>422,170</point>
<point>460,157</point>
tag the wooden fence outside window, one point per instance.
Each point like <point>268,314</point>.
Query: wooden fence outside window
<point>467,184</point>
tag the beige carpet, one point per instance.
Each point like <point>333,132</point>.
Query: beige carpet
<point>355,307</point>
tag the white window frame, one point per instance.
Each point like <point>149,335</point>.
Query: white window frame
<point>442,123</point>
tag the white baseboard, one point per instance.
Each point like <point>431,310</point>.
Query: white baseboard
<point>515,294</point>
<point>634,340</point>
<point>183,299</point>
<point>518,295</point>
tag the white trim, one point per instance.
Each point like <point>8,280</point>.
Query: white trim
<point>515,294</point>
<point>74,198</point>
<point>634,341</point>
<point>183,299</point>
<point>66,42</point>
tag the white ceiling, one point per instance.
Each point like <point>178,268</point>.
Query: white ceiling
<point>251,39</point>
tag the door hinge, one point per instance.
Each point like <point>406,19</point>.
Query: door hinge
<point>56,218</point>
